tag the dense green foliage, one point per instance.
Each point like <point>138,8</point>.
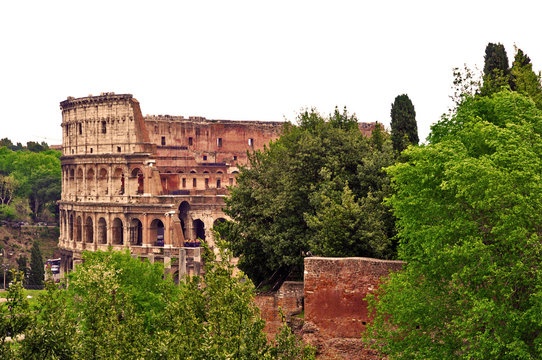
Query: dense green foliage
<point>37,272</point>
<point>404,129</point>
<point>468,209</point>
<point>119,307</point>
<point>319,189</point>
<point>32,177</point>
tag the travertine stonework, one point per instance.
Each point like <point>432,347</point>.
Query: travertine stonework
<point>151,184</point>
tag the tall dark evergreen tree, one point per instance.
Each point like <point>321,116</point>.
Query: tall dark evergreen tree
<point>495,58</point>
<point>496,69</point>
<point>22,263</point>
<point>37,271</point>
<point>404,129</point>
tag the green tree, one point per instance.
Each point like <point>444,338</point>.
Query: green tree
<point>8,185</point>
<point>53,331</point>
<point>6,142</point>
<point>37,272</point>
<point>468,208</point>
<point>524,79</point>
<point>14,316</point>
<point>23,267</point>
<point>279,204</point>
<point>103,315</point>
<point>404,129</point>
<point>141,281</point>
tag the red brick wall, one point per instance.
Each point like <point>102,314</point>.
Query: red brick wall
<point>290,300</point>
<point>335,309</point>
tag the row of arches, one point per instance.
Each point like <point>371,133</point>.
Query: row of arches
<point>83,229</point>
<point>103,181</point>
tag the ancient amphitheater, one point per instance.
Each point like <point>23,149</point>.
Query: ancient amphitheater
<point>152,184</point>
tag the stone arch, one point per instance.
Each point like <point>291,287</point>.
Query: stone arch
<point>157,232</point>
<point>136,232</point>
<point>117,231</point>
<point>70,227</point>
<point>102,231</point>
<point>78,229</point>
<point>184,209</point>
<point>118,182</point>
<point>199,229</point>
<point>137,176</point>
<point>90,181</point>
<point>89,230</point>
<point>79,181</point>
<point>192,171</point>
<point>103,187</point>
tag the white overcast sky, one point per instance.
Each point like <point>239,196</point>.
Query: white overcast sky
<point>247,60</point>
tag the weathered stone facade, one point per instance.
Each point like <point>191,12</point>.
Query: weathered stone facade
<point>150,184</point>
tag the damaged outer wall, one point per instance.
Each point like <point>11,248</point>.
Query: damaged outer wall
<point>336,313</point>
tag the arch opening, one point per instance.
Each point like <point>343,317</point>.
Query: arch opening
<point>136,232</point>
<point>102,231</point>
<point>157,232</point>
<point>78,233</point>
<point>117,230</point>
<point>199,229</point>
<point>89,230</point>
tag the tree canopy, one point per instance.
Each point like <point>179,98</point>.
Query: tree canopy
<point>319,189</point>
<point>34,177</point>
<point>118,307</point>
<point>468,208</point>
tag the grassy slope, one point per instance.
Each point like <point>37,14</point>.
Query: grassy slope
<point>19,242</point>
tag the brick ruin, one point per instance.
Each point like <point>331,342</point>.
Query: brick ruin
<point>150,184</point>
<point>336,312</point>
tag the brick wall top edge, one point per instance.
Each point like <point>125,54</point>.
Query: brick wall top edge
<point>204,121</point>
<point>70,101</point>
<point>336,259</point>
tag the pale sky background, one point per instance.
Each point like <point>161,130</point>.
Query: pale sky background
<point>247,60</point>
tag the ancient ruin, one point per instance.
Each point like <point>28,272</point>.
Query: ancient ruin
<point>154,185</point>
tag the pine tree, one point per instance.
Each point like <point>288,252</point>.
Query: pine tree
<point>404,129</point>
<point>37,271</point>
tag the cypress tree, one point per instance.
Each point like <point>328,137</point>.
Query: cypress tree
<point>22,263</point>
<point>495,58</point>
<point>404,129</point>
<point>496,70</point>
<point>36,266</point>
<point>524,79</point>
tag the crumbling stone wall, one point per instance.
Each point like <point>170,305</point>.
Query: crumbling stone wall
<point>335,310</point>
<point>289,298</point>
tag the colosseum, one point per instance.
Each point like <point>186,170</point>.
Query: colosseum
<point>154,185</point>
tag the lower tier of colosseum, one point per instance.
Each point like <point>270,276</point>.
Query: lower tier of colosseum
<point>167,229</point>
